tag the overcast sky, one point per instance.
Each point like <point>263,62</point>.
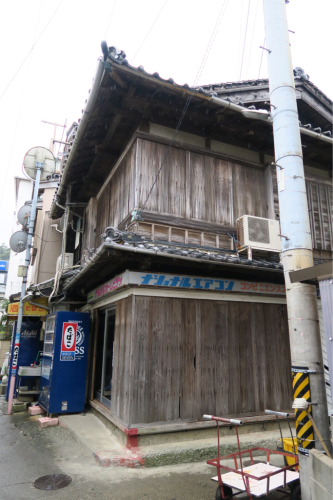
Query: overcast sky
<point>172,37</point>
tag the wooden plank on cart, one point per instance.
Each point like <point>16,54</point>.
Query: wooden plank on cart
<point>258,487</point>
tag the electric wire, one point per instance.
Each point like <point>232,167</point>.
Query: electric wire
<point>41,253</point>
<point>108,26</point>
<point>262,55</point>
<point>19,112</point>
<point>240,38</point>
<point>45,241</point>
<point>247,22</point>
<point>254,28</point>
<point>150,29</point>
<point>187,103</point>
<point>32,48</point>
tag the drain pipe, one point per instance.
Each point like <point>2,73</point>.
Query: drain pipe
<point>263,115</point>
<point>63,248</point>
<point>303,321</point>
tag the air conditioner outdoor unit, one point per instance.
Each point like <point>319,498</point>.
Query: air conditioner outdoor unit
<point>69,259</point>
<point>258,234</point>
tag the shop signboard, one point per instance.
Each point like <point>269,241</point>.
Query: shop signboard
<point>129,278</point>
<point>3,265</point>
<point>28,309</point>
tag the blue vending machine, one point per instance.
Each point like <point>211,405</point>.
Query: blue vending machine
<point>30,345</point>
<point>64,362</point>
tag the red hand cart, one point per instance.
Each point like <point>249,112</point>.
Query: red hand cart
<point>258,479</point>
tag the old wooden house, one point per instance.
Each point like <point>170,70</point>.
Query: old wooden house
<point>155,176</point>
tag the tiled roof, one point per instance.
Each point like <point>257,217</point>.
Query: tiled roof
<point>129,238</point>
<point>119,57</point>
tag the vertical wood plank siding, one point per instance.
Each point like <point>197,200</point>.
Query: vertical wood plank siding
<point>320,204</point>
<point>120,392</point>
<point>196,186</point>
<point>191,357</point>
<point>118,198</point>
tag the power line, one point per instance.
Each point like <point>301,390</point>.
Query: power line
<point>42,252</point>
<point>32,48</point>
<point>254,28</point>
<point>107,29</point>
<point>262,55</point>
<point>187,103</point>
<point>20,109</point>
<point>145,38</point>
<point>240,39</point>
<point>247,22</point>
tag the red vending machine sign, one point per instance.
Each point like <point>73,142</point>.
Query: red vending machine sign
<point>68,342</point>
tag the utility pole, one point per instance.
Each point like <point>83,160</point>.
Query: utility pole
<point>39,167</point>
<point>303,322</point>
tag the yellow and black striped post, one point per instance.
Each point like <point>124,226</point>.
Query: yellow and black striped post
<point>304,429</point>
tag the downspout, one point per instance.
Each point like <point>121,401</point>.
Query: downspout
<point>81,128</point>
<point>263,115</point>
<point>63,248</point>
<point>39,305</point>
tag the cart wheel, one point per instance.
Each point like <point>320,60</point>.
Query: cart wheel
<point>226,490</point>
<point>295,493</point>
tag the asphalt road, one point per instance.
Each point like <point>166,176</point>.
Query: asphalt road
<point>27,453</point>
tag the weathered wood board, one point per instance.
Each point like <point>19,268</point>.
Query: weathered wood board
<point>181,358</point>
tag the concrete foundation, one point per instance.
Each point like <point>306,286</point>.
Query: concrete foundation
<point>321,476</point>
<point>110,446</point>
<point>175,432</point>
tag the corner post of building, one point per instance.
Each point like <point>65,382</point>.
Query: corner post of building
<point>304,334</point>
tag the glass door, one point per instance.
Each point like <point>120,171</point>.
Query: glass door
<point>104,356</point>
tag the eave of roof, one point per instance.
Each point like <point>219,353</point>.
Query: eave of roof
<point>121,253</point>
<point>102,104</point>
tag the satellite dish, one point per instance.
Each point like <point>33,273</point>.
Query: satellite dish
<point>18,241</point>
<point>41,155</point>
<point>23,214</point>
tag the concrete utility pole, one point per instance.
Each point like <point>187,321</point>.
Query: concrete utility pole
<point>304,334</point>
<point>39,166</point>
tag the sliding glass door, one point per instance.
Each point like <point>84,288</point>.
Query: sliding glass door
<point>104,356</point>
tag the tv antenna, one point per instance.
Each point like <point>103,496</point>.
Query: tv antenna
<point>53,139</point>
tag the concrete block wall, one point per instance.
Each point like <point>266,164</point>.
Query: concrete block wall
<point>321,476</point>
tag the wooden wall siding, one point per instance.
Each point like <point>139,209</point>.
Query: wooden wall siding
<point>118,198</point>
<point>168,195</point>
<point>275,192</point>
<point>320,204</point>
<point>156,360</point>
<point>195,186</point>
<point>88,237</point>
<point>320,212</point>
<point>191,357</point>
<point>120,392</point>
<point>249,191</point>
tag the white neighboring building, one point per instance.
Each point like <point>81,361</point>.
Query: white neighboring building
<point>23,192</point>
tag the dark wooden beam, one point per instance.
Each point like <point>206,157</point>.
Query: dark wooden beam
<point>108,138</point>
<point>115,76</point>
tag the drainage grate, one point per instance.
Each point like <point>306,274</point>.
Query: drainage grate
<point>52,482</point>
